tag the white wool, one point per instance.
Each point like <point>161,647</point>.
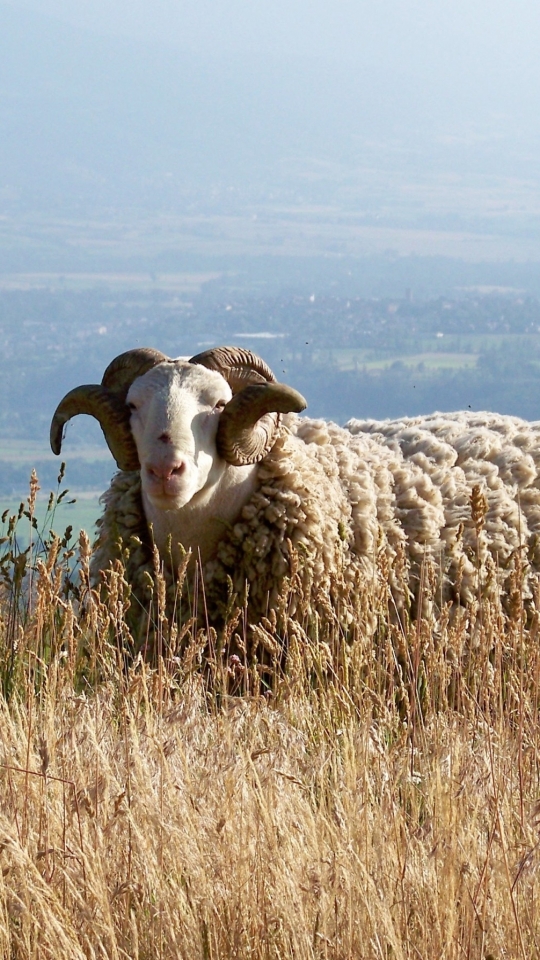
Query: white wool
<point>337,498</point>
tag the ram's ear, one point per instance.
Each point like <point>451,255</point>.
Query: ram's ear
<point>249,423</point>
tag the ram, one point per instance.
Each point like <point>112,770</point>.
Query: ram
<point>214,460</point>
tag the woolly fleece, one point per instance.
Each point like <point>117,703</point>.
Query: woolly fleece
<point>334,505</point>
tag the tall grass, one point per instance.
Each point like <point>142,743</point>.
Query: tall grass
<point>381,799</point>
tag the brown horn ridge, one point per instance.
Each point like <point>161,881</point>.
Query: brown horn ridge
<point>250,422</point>
<point>107,403</point>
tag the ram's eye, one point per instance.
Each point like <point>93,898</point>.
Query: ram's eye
<point>131,406</point>
<point>220,405</point>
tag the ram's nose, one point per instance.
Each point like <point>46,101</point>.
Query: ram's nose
<point>166,471</point>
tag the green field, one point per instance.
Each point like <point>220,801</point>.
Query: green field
<point>79,509</point>
<point>188,283</point>
<point>14,450</point>
<point>433,354</point>
<point>431,360</point>
<point>80,515</point>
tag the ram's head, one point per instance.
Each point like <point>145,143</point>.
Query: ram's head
<point>178,421</point>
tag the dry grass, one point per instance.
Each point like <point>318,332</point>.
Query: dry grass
<point>382,802</point>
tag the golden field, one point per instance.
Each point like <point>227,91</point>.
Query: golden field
<point>380,800</point>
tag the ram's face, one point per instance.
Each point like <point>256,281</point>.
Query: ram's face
<point>169,418</point>
<point>175,411</point>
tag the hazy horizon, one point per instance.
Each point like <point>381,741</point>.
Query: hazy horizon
<point>421,123</point>
<point>416,31</point>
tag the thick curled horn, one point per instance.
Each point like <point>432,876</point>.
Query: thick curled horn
<point>108,411</point>
<point>239,367</point>
<point>123,370</point>
<point>107,403</point>
<point>249,423</point>
<point>247,429</point>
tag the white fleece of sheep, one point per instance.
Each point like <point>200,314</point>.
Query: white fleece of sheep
<point>343,496</point>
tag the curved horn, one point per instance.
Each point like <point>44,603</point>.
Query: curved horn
<point>124,369</point>
<point>107,403</point>
<point>238,367</point>
<point>249,423</point>
<point>247,429</point>
<point>108,411</point>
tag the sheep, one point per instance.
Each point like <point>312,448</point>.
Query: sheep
<point>215,460</point>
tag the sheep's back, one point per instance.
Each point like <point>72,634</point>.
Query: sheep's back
<point>456,452</point>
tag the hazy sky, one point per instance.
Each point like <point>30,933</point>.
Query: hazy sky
<point>492,32</point>
<point>424,88</point>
